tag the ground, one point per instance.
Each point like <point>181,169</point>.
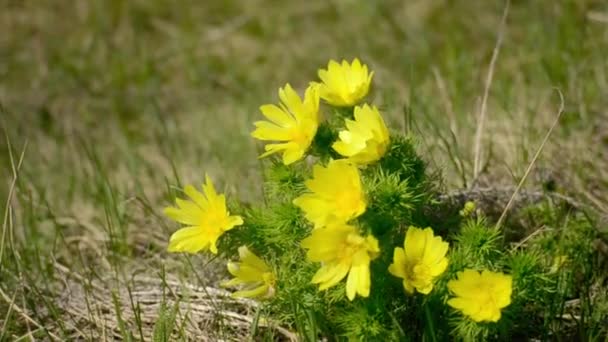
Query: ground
<point>107,106</point>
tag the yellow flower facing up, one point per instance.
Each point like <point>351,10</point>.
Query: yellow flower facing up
<point>337,195</point>
<point>205,216</point>
<point>344,85</point>
<point>420,261</point>
<point>342,250</point>
<point>366,138</point>
<point>253,275</point>
<point>294,122</point>
<point>481,296</point>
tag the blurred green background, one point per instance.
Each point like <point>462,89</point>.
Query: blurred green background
<point>119,101</point>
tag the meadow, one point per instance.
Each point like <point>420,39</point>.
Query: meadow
<point>108,107</point>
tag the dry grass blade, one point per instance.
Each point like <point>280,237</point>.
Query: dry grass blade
<point>7,316</point>
<point>445,98</point>
<point>200,309</point>
<point>25,316</point>
<point>531,165</point>
<point>597,16</point>
<point>10,192</point>
<point>486,92</point>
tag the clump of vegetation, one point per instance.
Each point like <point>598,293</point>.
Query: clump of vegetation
<point>341,245</point>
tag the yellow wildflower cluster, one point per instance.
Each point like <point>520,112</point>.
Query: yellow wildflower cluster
<point>294,121</point>
<point>207,218</point>
<point>336,196</point>
<point>334,202</point>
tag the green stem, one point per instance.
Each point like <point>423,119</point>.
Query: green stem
<point>429,322</point>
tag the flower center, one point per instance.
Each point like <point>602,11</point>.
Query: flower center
<point>298,136</point>
<point>417,273</point>
<point>352,245</point>
<point>347,203</point>
<point>485,296</point>
<point>421,271</point>
<point>214,220</point>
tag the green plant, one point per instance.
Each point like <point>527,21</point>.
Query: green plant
<point>348,206</point>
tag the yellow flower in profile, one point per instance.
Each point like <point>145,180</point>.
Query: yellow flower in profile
<point>342,250</point>
<point>253,274</point>
<point>366,138</point>
<point>206,218</point>
<point>344,85</point>
<point>337,195</point>
<point>294,122</point>
<point>481,296</point>
<point>420,261</point>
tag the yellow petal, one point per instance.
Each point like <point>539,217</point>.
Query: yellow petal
<point>248,273</point>
<point>324,273</point>
<point>268,131</point>
<point>232,222</point>
<point>415,243</point>
<point>458,303</point>
<point>274,148</point>
<point>213,243</point>
<point>290,99</point>
<point>196,196</point>
<point>340,273</point>
<point>408,287</point>
<point>248,258</point>
<point>232,282</point>
<point>397,268</point>
<point>364,285</point>
<point>256,292</point>
<point>209,189</point>
<point>233,268</point>
<point>425,289</point>
<point>358,277</point>
<point>330,275</point>
<point>352,283</point>
<point>189,240</point>
<point>435,249</point>
<point>439,267</point>
<point>277,115</point>
<point>188,217</point>
<point>293,154</point>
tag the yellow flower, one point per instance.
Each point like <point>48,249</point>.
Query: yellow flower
<point>206,218</point>
<point>346,84</point>
<point>366,138</point>
<point>253,273</point>
<point>420,261</point>
<point>342,250</point>
<point>336,195</point>
<point>294,122</point>
<point>481,296</point>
